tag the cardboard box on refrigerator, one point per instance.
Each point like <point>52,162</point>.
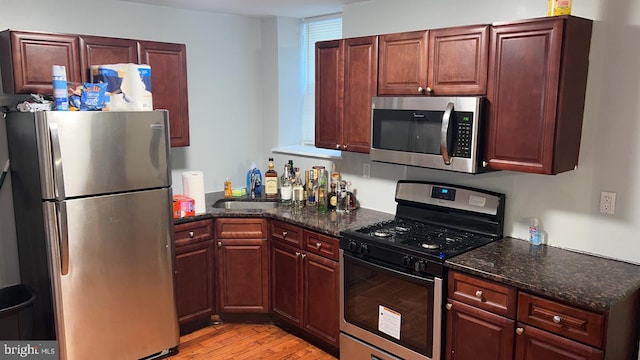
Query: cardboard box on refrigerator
<point>128,86</point>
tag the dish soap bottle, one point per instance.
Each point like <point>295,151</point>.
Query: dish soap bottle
<point>228,192</point>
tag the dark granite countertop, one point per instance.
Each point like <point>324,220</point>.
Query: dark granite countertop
<point>584,280</point>
<point>330,223</point>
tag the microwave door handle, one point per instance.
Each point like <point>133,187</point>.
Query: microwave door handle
<point>444,130</point>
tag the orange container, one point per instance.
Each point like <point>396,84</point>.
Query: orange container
<point>183,206</point>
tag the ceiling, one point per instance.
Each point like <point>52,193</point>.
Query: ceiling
<point>258,8</point>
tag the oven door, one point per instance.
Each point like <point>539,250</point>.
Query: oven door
<point>396,312</point>
<point>432,132</point>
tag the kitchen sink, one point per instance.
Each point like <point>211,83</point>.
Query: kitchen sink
<point>245,204</point>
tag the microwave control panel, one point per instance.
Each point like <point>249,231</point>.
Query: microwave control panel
<point>464,126</point>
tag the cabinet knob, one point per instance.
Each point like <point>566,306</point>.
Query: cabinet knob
<point>191,234</point>
<point>297,254</point>
<point>344,147</point>
<point>479,294</point>
<point>519,331</point>
<point>338,146</point>
<point>318,246</point>
<point>557,319</point>
<point>219,243</point>
<point>284,234</point>
<point>303,255</point>
<point>449,306</point>
<point>428,90</point>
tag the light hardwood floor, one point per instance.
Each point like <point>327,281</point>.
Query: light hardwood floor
<point>246,342</point>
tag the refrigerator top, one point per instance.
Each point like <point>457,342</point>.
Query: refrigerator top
<point>90,153</point>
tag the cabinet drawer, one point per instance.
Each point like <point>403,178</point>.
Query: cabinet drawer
<point>488,295</point>
<point>286,233</point>
<point>193,232</point>
<point>322,245</point>
<point>241,228</point>
<point>578,324</point>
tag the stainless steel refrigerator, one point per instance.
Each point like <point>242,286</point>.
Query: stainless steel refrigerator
<point>92,201</point>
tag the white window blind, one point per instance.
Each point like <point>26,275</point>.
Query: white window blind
<point>316,29</point>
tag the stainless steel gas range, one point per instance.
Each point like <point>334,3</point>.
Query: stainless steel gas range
<point>393,275</point>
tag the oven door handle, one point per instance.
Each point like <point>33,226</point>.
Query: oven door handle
<point>444,131</point>
<point>386,269</point>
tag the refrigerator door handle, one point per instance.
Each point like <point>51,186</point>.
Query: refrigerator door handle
<point>58,177</point>
<point>63,237</point>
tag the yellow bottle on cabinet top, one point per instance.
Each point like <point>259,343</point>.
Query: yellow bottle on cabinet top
<point>559,7</point>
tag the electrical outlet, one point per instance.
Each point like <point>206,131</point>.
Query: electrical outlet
<point>607,202</point>
<point>366,170</point>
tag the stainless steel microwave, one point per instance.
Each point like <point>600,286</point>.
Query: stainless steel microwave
<point>431,132</point>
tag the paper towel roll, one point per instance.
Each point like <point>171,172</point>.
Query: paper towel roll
<point>193,187</point>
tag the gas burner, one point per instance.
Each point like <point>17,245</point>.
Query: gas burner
<point>382,233</point>
<point>429,246</point>
<point>401,229</point>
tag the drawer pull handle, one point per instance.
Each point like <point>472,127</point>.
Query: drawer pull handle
<point>449,306</point>
<point>191,234</point>
<point>557,319</point>
<point>284,234</point>
<point>479,294</point>
<point>318,246</point>
<point>519,331</point>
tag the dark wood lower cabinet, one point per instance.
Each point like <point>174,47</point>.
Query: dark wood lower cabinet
<point>286,283</point>
<point>243,275</point>
<point>476,334</point>
<point>533,343</point>
<point>321,298</point>
<point>194,274</point>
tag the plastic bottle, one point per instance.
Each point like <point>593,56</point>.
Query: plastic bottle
<point>535,234</point>
<point>228,192</point>
<point>257,177</point>
<point>60,94</point>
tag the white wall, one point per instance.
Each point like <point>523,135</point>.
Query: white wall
<point>566,203</point>
<point>226,90</point>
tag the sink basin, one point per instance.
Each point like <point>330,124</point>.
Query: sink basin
<point>245,204</point>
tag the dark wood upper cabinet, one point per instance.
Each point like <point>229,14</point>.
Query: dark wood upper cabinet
<point>346,79</point>
<point>536,91</point>
<point>448,61</point>
<point>458,60</point>
<point>98,50</point>
<point>329,90</point>
<point>403,63</point>
<point>168,63</point>
<point>27,59</point>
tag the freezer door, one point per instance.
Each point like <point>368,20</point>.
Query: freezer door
<point>112,277</point>
<point>93,152</point>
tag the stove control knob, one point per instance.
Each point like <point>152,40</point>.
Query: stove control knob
<point>364,249</point>
<point>353,246</point>
<point>421,266</point>
<point>407,261</point>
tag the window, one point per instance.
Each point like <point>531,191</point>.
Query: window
<point>314,29</point>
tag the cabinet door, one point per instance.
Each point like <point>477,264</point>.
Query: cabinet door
<point>243,275</point>
<point>286,283</point>
<point>458,60</point>
<point>535,93</point>
<point>329,92</point>
<point>321,298</point>
<point>32,55</point>
<point>194,285</point>
<point>96,50</point>
<point>476,334</point>
<point>360,84</point>
<point>533,344</point>
<point>403,63</point>
<point>169,84</point>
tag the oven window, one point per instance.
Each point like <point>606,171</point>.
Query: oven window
<point>368,287</point>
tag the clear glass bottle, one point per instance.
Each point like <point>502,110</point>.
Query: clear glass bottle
<point>286,190</point>
<point>307,179</point>
<point>312,188</point>
<point>298,191</point>
<point>271,181</point>
<point>322,197</point>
